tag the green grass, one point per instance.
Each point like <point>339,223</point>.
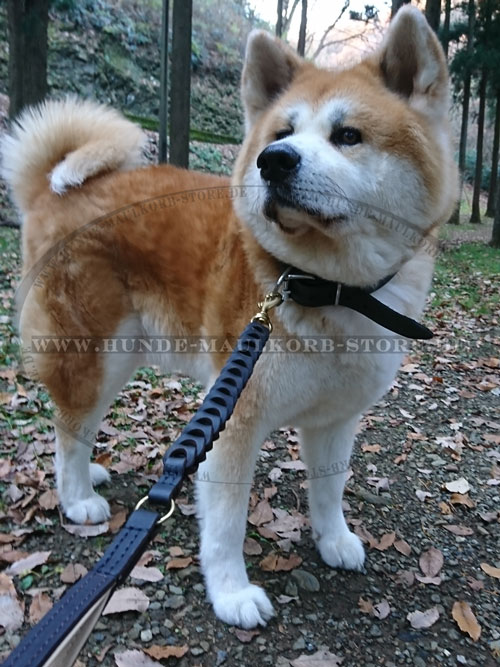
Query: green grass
<point>468,276</point>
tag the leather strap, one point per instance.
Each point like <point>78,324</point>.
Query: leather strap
<point>59,623</point>
<point>311,291</point>
<point>56,640</point>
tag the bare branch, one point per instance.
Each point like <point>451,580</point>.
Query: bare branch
<point>322,41</point>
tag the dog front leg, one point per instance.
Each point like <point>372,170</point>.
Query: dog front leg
<point>327,452</point>
<point>223,487</point>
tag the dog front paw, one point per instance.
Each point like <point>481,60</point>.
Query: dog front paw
<point>94,510</point>
<point>99,474</point>
<point>345,551</point>
<point>247,607</point>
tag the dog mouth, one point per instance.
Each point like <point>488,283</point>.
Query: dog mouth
<point>287,210</point>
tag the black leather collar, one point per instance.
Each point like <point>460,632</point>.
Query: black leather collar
<point>308,290</point>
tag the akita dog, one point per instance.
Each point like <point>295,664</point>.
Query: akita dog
<point>344,175</point>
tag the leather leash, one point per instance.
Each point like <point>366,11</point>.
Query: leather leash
<point>58,638</point>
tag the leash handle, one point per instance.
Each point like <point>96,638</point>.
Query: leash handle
<point>57,639</point>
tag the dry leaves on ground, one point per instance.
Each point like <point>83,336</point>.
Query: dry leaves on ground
<point>465,619</point>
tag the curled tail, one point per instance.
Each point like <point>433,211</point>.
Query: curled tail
<point>59,144</point>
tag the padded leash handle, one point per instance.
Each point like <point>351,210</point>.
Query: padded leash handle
<point>58,638</point>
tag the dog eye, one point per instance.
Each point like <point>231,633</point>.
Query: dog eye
<point>282,134</point>
<point>346,136</point>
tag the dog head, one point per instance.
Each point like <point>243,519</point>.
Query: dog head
<point>345,172</point>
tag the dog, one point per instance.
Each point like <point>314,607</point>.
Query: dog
<point>331,163</point>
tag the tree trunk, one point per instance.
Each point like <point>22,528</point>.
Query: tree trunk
<point>495,234</point>
<point>446,27</point>
<point>163,117</point>
<point>396,4</point>
<point>27,21</point>
<point>492,199</point>
<point>462,151</point>
<point>301,46</point>
<point>476,212</point>
<point>279,19</point>
<point>433,13</point>
<point>180,91</point>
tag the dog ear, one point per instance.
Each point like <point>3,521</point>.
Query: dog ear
<point>269,68</point>
<point>413,63</point>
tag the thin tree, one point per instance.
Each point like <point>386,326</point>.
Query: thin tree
<point>284,18</point>
<point>492,203</point>
<point>433,13</point>
<point>495,234</point>
<point>301,46</point>
<point>180,91</point>
<point>445,39</point>
<point>163,118</point>
<point>483,52</point>
<point>27,22</point>
<point>396,4</point>
<point>279,19</point>
<point>466,78</point>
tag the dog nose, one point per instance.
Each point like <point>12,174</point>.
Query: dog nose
<point>277,162</point>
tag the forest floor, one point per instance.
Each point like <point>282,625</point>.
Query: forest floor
<point>423,495</point>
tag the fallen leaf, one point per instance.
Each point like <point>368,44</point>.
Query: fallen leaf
<point>285,599</point>
<point>164,652</point>
<point>146,573</point>
<point>461,531</point>
<point>11,613</point>
<point>462,499</point>
<point>179,563</point>
<point>321,658</point>
<point>465,619</point>
<point>365,606</point>
<point>105,459</point>
<point>386,541</point>
<point>365,536</point>
<point>251,547</point>
<point>403,547</point>
<point>175,552</point>
<point>420,620</point>
<point>436,581</point>
<point>382,610</point>
<point>431,561</point>
<point>475,584</point>
<point>405,578</point>
<point>126,599</point>
<point>186,509</point>
<point>375,448</point>
<point>40,605</point>
<point>86,530</point>
<point>117,520</point>
<point>263,513</point>
<point>28,563</point>
<point>11,609</point>
<point>72,572</point>
<point>422,495</point>
<point>134,659</point>
<point>490,570</point>
<point>458,486</point>
<point>275,563</point>
<point>49,500</point>
<point>245,636</point>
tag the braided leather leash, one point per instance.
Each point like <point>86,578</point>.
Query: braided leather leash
<point>58,638</point>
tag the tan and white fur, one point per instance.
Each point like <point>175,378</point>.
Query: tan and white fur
<point>200,266</point>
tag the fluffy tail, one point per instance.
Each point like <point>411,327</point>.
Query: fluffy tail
<point>63,143</point>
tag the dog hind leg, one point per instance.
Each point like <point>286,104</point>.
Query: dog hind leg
<point>327,452</point>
